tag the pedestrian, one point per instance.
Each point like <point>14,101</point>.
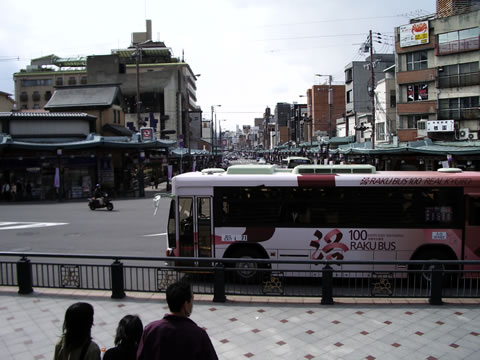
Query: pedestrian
<point>129,332</point>
<point>176,336</point>
<point>76,341</point>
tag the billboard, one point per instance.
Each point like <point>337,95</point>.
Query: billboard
<point>414,34</point>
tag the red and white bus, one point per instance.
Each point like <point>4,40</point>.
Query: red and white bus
<point>331,212</point>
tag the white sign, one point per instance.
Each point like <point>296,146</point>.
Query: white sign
<point>414,34</point>
<point>439,235</point>
<point>235,237</point>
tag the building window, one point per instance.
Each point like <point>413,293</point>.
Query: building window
<point>59,81</point>
<point>349,96</point>
<point>393,99</point>
<point>380,131</point>
<point>48,95</point>
<point>417,92</point>
<point>36,96</point>
<point>458,41</point>
<point>410,121</point>
<point>72,80</point>
<point>464,108</point>
<point>24,96</point>
<point>36,82</point>
<point>83,80</point>
<point>36,106</point>
<point>417,60</point>
<point>458,75</point>
<point>348,76</point>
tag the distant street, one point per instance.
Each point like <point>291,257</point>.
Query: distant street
<point>71,227</point>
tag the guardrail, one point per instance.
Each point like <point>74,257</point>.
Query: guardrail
<point>432,279</point>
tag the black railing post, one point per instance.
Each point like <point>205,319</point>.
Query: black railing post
<point>436,285</point>
<point>327,285</point>
<point>24,276</point>
<point>219,284</point>
<point>117,280</point>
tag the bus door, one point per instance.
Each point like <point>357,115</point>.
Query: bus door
<point>203,227</point>
<point>472,228</point>
<point>195,226</point>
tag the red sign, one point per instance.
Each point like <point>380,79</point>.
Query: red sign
<point>146,134</point>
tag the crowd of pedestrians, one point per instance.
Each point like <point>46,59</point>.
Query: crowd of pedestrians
<point>173,337</point>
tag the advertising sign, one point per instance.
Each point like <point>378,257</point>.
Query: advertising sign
<point>146,133</point>
<point>414,34</point>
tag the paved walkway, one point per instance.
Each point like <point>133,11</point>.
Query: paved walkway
<point>259,328</point>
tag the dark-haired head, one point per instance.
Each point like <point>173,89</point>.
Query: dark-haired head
<point>77,325</point>
<point>129,332</point>
<point>177,294</point>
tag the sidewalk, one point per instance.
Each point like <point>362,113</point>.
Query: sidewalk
<point>259,328</point>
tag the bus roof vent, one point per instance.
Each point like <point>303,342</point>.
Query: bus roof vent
<point>251,169</point>
<point>211,171</point>
<point>334,169</point>
<point>450,170</point>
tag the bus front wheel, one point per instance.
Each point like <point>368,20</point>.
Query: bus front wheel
<point>247,271</point>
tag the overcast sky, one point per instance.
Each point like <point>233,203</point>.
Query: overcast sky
<point>250,53</point>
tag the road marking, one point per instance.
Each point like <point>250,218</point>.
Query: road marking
<point>162,234</point>
<point>27,225</point>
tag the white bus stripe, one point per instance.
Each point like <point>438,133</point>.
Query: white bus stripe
<point>26,225</point>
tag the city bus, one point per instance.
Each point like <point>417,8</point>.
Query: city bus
<point>292,161</point>
<point>324,212</point>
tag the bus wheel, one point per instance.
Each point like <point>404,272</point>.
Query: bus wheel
<point>247,272</point>
<point>425,270</point>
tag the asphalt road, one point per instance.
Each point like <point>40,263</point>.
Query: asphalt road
<point>71,227</point>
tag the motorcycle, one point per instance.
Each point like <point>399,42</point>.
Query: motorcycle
<point>94,203</point>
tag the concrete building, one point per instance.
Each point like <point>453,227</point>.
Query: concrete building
<point>386,108</point>
<point>159,90</point>
<point>6,102</point>
<point>358,110</point>
<point>438,77</point>
<point>282,118</point>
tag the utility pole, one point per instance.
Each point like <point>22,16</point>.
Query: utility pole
<point>372,89</point>
<point>330,106</point>
<point>138,54</point>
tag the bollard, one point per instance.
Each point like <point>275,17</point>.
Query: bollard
<point>219,284</point>
<point>436,286</point>
<point>327,285</point>
<point>117,280</point>
<point>24,276</point>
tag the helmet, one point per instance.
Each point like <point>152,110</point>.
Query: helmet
<point>97,186</point>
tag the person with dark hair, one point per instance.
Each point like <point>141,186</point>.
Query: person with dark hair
<point>76,341</point>
<point>176,336</point>
<point>129,332</point>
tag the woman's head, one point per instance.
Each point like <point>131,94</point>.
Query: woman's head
<point>129,331</point>
<point>78,323</point>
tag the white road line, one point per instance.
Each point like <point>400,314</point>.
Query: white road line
<point>162,234</point>
<point>27,225</point>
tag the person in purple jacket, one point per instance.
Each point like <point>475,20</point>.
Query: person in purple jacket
<point>176,337</point>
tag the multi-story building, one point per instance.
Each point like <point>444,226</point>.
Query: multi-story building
<point>325,103</point>
<point>437,71</point>
<point>282,118</point>
<point>298,113</point>
<point>6,102</point>
<point>358,109</point>
<point>159,90</point>
<point>386,107</point>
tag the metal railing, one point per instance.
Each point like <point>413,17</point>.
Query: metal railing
<point>434,279</point>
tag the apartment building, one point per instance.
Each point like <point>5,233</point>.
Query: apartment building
<point>437,71</point>
<point>358,109</point>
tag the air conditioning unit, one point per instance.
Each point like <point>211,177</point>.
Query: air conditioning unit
<point>463,134</point>
<point>440,125</point>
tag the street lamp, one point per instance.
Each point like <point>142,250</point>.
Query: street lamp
<point>330,103</point>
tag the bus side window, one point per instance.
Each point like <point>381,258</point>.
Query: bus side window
<point>474,211</point>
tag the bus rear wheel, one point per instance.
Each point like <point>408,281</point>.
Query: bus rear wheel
<point>425,270</point>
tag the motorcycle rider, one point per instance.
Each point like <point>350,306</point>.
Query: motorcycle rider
<point>99,194</point>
